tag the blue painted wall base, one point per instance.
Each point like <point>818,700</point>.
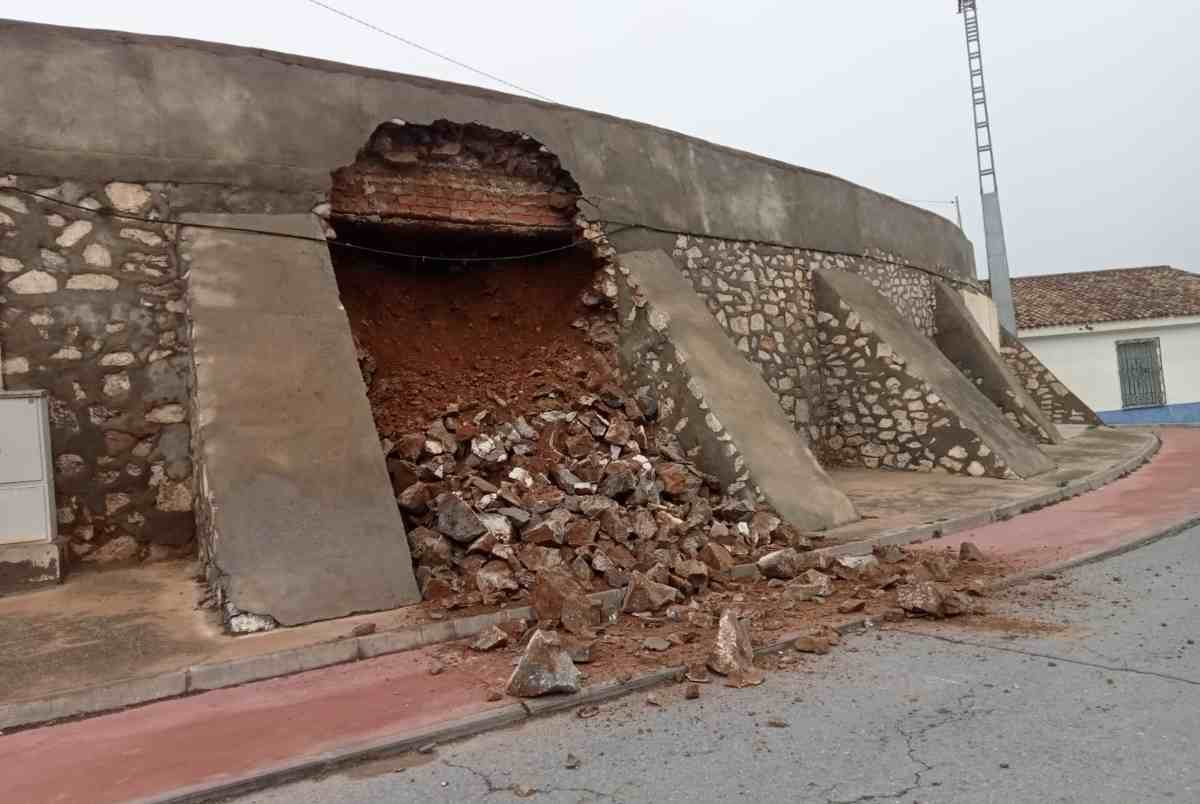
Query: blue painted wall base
<point>1186,413</point>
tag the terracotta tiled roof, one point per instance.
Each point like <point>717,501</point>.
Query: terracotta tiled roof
<point>1116,294</point>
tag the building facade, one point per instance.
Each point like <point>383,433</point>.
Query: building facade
<point>1126,341</point>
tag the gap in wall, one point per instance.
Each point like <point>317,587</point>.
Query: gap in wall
<point>438,337</point>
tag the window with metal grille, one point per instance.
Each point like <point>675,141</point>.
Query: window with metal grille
<point>1140,366</point>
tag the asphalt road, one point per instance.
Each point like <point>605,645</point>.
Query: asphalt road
<point>1102,707</point>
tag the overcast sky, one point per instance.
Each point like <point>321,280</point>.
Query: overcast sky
<point>1095,106</point>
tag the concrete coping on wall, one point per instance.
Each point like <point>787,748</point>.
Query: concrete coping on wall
<point>217,675</point>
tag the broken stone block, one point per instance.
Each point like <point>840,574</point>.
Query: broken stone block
<point>968,551</point>
<point>676,480</point>
<point>822,583</point>
<point>495,580</point>
<point>593,505</point>
<point>614,524</point>
<point>716,557</point>
<point>693,571</point>
<point>784,564</point>
<point>580,614</point>
<point>921,598</point>
<point>550,588</point>
<point>490,639</point>
<point>429,547</point>
<point>939,568</point>
<point>853,568</point>
<point>955,604</point>
<point>415,499</point>
<point>547,533</point>
<point>656,644</point>
<point>732,654</point>
<point>644,595</point>
<point>537,559</point>
<point>456,520</point>
<point>545,668</point>
<point>889,553</point>
<point>619,480</point>
<point>619,432</point>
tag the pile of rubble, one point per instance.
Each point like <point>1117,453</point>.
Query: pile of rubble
<point>589,486</point>
<point>712,630</point>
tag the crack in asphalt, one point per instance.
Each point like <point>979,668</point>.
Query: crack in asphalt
<point>910,738</point>
<point>1039,655</point>
<point>493,788</point>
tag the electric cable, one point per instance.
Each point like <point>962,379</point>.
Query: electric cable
<point>430,51</point>
<point>621,226</point>
<point>109,212</point>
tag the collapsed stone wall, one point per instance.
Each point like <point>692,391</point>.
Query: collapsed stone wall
<point>590,485</point>
<point>762,296</point>
<point>1055,399</point>
<point>881,415</point>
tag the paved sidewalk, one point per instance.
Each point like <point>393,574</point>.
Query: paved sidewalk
<point>227,733</point>
<point>1161,494</point>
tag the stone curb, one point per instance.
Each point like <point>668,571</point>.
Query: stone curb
<point>1149,537</point>
<point>470,726</point>
<point>217,675</point>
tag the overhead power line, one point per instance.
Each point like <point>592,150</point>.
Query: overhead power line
<point>430,51</point>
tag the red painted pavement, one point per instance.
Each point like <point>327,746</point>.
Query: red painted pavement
<point>228,733</point>
<point>1156,496</point>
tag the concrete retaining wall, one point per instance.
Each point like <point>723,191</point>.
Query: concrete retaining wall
<point>103,105</point>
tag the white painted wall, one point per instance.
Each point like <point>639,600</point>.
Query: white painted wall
<point>1085,358</point>
<point>983,309</point>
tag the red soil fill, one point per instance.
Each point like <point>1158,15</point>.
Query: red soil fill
<point>444,335</point>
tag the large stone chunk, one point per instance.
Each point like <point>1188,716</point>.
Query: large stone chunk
<point>550,588</point>
<point>788,563</point>
<point>494,580</point>
<point>456,519</point>
<point>716,557</point>
<point>644,594</point>
<point>921,598</point>
<point>545,668</point>
<point>732,654</point>
<point>429,547</point>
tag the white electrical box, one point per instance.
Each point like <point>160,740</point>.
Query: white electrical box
<point>27,512</point>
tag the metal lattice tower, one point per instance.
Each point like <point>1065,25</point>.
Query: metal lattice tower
<point>993,224</point>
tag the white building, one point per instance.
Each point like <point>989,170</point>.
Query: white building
<point>1126,340</point>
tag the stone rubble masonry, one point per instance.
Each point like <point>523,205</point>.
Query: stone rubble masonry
<point>895,400</point>
<point>666,350</point>
<point>966,345</point>
<point>878,414</point>
<point>651,361</point>
<point>93,313</point>
<point>762,296</point>
<point>92,310</point>
<point>1055,399</point>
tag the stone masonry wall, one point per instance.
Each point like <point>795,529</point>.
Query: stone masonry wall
<point>1055,399</point>
<point>763,298</point>
<point>92,310</point>
<point>878,414</point>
